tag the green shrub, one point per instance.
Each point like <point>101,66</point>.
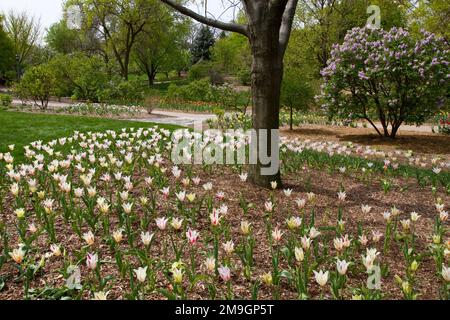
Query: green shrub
<point>79,76</point>
<point>200,70</point>
<point>38,83</point>
<point>5,100</point>
<point>121,91</point>
<point>200,90</point>
<point>245,77</point>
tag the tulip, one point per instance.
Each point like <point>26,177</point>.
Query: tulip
<point>294,222</point>
<point>177,275</point>
<point>446,273</point>
<point>245,227</point>
<point>268,206</point>
<point>277,234</point>
<point>273,184</point>
<point>243,177</point>
<point>91,261</point>
<point>300,203</point>
<point>181,195</point>
<point>267,278</point>
<point>141,274</point>
<point>118,235</point>
<point>314,233</point>
<point>376,236</point>
<point>228,247</point>
<point>306,242</point>
<point>162,223</point>
<point>341,195</point>
<point>414,216</point>
<point>225,273</point>
<point>210,264</point>
<point>311,196</point>
<point>48,205</point>
<point>192,236</point>
<point>406,224</point>
<point>17,255</point>
<point>101,295</point>
<point>176,223</point>
<point>443,216</point>
<point>342,266</point>
<point>89,238</point>
<point>287,192</point>
<point>191,197</point>
<point>20,213</point>
<point>215,218</point>
<point>299,254</point>
<point>321,277</point>
<point>146,238</point>
<point>127,207</point>
<point>55,249</point>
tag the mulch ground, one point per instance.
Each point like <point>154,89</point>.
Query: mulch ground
<point>324,185</point>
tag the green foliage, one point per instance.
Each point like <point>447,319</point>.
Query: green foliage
<point>203,41</point>
<point>63,40</point>
<point>38,83</point>
<point>231,54</point>
<point>200,90</point>
<point>200,70</point>
<point>121,91</point>
<point>79,76</point>
<point>5,100</point>
<point>433,16</point>
<point>203,91</point>
<point>6,53</point>
<point>296,91</point>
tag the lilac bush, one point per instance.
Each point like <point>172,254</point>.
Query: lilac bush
<point>387,76</point>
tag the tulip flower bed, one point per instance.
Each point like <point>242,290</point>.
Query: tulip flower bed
<point>107,215</point>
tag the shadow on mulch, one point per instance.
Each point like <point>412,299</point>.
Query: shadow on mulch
<point>434,144</point>
<point>418,142</point>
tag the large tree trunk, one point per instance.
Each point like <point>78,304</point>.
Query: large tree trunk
<point>267,73</point>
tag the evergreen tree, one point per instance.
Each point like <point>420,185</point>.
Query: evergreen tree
<point>203,41</point>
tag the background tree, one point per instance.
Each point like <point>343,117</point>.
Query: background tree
<point>6,54</point>
<point>25,32</point>
<point>162,45</point>
<point>268,29</point>
<point>118,23</point>
<point>432,15</point>
<point>202,44</point>
<point>387,76</point>
<point>63,40</point>
<point>296,93</point>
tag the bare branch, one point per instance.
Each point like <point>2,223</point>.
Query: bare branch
<point>233,27</point>
<point>286,24</point>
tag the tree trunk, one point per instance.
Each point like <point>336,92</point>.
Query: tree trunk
<point>267,73</point>
<point>291,125</point>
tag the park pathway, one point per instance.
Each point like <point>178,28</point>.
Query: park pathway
<point>188,119</point>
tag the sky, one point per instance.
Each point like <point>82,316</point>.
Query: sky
<point>50,11</point>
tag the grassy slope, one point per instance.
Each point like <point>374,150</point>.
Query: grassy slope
<point>22,128</point>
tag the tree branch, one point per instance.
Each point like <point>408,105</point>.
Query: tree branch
<point>233,27</point>
<point>286,24</point>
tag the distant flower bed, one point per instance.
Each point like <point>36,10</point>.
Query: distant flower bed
<point>443,123</point>
<point>100,109</point>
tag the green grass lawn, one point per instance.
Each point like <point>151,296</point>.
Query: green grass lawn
<point>20,128</point>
